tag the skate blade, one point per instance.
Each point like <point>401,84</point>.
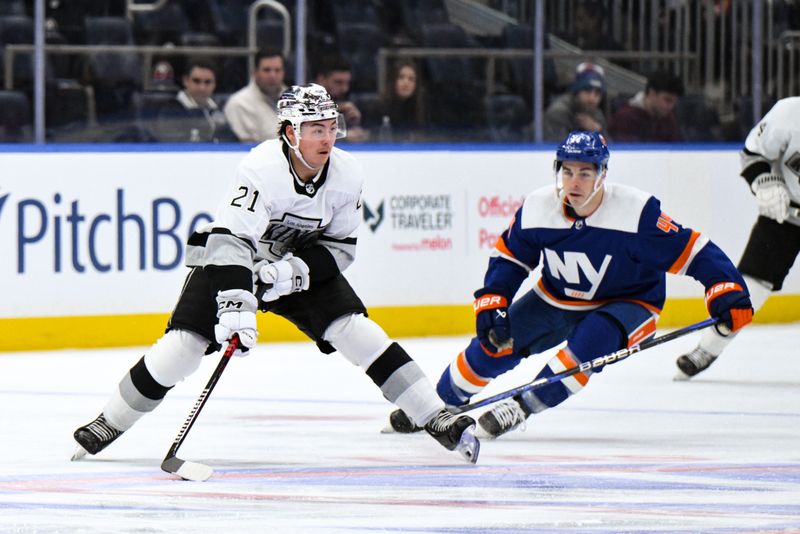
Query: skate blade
<point>468,446</point>
<point>79,453</point>
<point>680,376</point>
<point>480,433</point>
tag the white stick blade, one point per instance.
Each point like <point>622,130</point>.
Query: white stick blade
<point>193,471</point>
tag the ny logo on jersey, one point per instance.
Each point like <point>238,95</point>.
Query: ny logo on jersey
<point>570,270</point>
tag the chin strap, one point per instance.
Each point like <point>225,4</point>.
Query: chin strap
<point>296,150</point>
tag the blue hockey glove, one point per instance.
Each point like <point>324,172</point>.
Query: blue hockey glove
<point>492,324</point>
<point>729,302</point>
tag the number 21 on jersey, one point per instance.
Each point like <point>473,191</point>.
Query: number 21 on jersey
<point>242,200</point>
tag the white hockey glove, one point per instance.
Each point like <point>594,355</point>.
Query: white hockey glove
<point>772,196</point>
<point>284,277</point>
<point>236,310</point>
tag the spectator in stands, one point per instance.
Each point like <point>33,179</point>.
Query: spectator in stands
<point>251,111</point>
<point>193,116</point>
<point>401,107</point>
<point>650,115</point>
<point>590,28</point>
<point>580,108</point>
<point>335,74</point>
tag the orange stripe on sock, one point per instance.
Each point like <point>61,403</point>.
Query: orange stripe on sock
<point>565,359</point>
<point>468,374</point>
<point>569,362</point>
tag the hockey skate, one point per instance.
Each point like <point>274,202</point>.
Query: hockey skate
<point>401,423</point>
<point>455,433</point>
<point>692,363</point>
<point>501,419</point>
<point>94,437</point>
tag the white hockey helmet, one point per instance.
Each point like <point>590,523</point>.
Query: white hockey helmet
<point>308,103</point>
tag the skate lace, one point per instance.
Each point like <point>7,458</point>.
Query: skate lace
<point>509,415</point>
<point>442,421</point>
<point>700,357</point>
<point>101,429</point>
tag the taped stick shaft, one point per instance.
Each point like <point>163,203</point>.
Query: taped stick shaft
<point>596,363</point>
<point>171,463</point>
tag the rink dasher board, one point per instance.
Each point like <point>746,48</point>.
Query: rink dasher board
<point>95,240</point>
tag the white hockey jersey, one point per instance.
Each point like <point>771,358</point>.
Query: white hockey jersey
<point>268,211</point>
<point>773,145</point>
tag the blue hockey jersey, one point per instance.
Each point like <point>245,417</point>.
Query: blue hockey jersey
<point>622,251</point>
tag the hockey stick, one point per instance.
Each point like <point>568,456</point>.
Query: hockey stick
<point>601,361</point>
<point>192,470</point>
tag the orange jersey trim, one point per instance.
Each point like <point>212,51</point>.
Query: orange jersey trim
<point>592,303</point>
<point>503,249</point>
<point>684,257</point>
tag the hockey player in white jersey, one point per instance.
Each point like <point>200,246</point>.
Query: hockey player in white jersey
<point>281,237</point>
<point>605,249</point>
<point>771,167</point>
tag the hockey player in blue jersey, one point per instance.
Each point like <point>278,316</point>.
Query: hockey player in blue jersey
<point>605,250</point>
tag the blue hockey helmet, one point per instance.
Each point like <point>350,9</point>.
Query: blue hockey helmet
<point>589,147</point>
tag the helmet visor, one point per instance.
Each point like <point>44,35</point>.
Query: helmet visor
<point>324,129</point>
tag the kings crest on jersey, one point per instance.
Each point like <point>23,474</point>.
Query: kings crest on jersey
<point>269,212</point>
<point>619,252</point>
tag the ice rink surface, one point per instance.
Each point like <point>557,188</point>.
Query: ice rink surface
<point>294,437</point>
